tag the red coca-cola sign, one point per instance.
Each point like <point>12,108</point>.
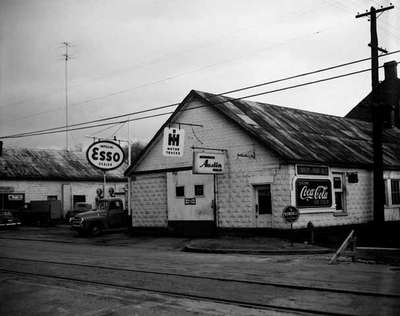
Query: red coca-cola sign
<point>313,193</point>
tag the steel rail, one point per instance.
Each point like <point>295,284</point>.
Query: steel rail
<point>186,296</point>
<point>274,284</point>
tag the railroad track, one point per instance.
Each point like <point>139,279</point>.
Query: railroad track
<point>261,295</point>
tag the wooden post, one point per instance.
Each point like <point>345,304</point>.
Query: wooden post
<point>342,247</point>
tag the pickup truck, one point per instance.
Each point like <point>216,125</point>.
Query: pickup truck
<point>109,215</point>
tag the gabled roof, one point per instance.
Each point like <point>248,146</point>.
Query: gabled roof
<point>387,92</point>
<point>300,136</point>
<point>50,164</point>
<point>387,97</point>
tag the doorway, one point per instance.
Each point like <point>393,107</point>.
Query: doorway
<point>263,205</point>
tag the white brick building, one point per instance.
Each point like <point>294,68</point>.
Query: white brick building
<point>274,157</point>
<point>47,174</point>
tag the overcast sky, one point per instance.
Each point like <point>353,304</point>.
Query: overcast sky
<point>130,55</point>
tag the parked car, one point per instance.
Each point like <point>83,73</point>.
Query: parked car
<point>8,220</point>
<point>109,215</point>
<point>80,207</point>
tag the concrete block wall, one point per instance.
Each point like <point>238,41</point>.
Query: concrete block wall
<point>235,199</point>
<point>358,200</point>
<point>236,196</point>
<point>39,190</point>
<point>281,194</point>
<point>149,201</point>
<point>34,190</point>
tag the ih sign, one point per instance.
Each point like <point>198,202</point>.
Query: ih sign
<point>173,142</point>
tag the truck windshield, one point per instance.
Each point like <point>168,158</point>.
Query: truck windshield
<point>102,205</point>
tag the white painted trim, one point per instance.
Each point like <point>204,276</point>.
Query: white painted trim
<point>261,180</point>
<point>316,210</point>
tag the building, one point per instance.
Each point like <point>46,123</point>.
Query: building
<point>47,174</point>
<point>264,158</point>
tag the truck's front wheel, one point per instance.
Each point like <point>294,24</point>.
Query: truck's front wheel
<point>95,230</point>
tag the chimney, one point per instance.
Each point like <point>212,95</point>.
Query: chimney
<point>390,70</point>
<point>390,95</point>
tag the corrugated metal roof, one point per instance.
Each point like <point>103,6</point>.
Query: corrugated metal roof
<point>297,135</point>
<point>302,136</point>
<point>50,164</point>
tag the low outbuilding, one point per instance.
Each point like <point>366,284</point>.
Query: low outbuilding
<point>49,174</point>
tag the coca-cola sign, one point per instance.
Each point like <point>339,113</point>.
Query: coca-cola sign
<point>313,193</point>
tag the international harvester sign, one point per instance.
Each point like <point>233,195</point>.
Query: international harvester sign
<point>173,143</point>
<point>208,163</point>
<point>313,193</point>
<point>105,155</point>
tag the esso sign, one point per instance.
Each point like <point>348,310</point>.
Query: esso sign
<point>105,155</point>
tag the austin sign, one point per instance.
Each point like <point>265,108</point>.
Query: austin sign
<point>313,193</point>
<point>105,155</point>
<point>208,163</point>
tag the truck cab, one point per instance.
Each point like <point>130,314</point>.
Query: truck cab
<point>109,215</point>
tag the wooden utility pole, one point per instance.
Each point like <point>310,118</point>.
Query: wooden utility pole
<point>377,117</point>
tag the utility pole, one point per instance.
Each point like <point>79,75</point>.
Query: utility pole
<point>377,117</point>
<point>67,58</point>
<point>129,163</point>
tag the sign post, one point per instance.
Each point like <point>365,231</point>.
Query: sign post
<point>105,155</point>
<point>290,215</point>
<point>210,163</point>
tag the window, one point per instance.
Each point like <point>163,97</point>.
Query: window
<point>52,198</point>
<point>115,204</point>
<point>180,191</point>
<point>78,198</point>
<point>395,188</point>
<point>339,191</point>
<point>199,190</point>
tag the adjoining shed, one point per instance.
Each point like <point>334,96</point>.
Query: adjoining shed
<point>48,174</point>
<point>272,157</point>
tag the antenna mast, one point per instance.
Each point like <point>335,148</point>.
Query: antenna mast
<point>67,58</point>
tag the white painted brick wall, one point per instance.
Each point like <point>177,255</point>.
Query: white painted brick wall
<point>149,201</point>
<point>358,205</point>
<point>236,198</point>
<point>39,190</point>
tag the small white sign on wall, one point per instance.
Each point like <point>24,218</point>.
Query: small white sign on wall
<point>173,143</point>
<point>208,163</point>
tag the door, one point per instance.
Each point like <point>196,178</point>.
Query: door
<point>263,205</point>
<point>190,196</point>
<point>66,198</point>
<point>116,214</point>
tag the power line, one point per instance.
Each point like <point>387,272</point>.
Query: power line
<point>226,92</point>
<point>103,119</point>
<point>62,129</point>
<point>309,73</point>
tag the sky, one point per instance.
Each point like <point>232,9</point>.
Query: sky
<point>132,55</point>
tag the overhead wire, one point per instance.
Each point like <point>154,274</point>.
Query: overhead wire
<point>226,92</point>
<point>63,129</point>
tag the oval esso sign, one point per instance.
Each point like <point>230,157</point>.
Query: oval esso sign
<point>105,155</point>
